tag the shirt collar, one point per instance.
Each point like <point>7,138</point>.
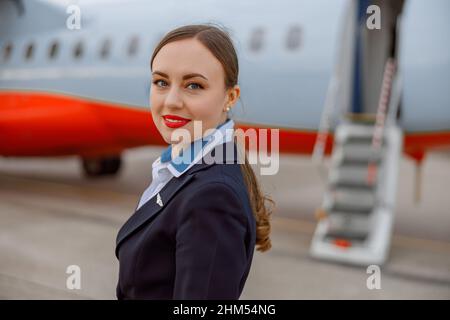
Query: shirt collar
<point>197,149</point>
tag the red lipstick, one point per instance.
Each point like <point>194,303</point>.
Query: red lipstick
<point>173,121</point>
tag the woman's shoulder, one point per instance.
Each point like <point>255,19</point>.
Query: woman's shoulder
<point>228,174</point>
<point>221,179</point>
<point>221,173</point>
<point>217,188</point>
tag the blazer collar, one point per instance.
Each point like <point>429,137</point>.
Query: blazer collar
<point>194,152</point>
<point>151,208</point>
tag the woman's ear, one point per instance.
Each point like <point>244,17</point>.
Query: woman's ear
<point>233,95</point>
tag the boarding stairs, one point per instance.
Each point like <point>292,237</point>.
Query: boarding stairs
<point>356,216</point>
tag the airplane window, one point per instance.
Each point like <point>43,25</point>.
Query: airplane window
<point>78,50</point>
<point>29,51</point>
<point>7,50</point>
<point>105,48</point>
<point>53,50</point>
<point>256,39</point>
<point>133,46</point>
<point>294,38</point>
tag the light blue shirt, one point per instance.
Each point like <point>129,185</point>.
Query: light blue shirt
<point>165,168</point>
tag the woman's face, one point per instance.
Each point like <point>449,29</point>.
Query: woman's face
<point>187,82</point>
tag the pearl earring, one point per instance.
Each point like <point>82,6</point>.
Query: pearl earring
<point>228,108</point>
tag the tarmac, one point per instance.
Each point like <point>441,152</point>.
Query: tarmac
<point>52,217</point>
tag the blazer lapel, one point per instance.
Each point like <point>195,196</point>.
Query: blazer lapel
<point>151,207</point>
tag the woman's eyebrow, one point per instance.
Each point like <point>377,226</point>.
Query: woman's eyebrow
<point>187,76</point>
<point>192,75</point>
<point>160,73</point>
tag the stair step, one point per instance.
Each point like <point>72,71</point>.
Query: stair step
<point>332,213</point>
<point>352,186</point>
<point>352,208</point>
<point>358,133</point>
<point>348,200</point>
<point>357,154</point>
<point>348,227</point>
<point>366,139</point>
<point>350,177</point>
<point>346,235</point>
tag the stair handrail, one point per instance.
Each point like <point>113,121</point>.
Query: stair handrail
<point>324,126</point>
<point>394,102</point>
<point>384,104</point>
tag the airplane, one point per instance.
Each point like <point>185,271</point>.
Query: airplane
<point>84,91</point>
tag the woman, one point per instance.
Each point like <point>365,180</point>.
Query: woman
<point>195,228</point>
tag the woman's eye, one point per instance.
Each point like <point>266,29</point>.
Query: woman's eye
<point>196,86</point>
<point>156,82</point>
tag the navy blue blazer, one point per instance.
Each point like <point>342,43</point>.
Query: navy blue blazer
<point>198,245</point>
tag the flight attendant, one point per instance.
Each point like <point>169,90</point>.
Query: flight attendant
<point>195,227</point>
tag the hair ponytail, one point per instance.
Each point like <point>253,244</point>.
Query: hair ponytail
<point>261,211</point>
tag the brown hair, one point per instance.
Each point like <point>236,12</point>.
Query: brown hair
<point>220,45</point>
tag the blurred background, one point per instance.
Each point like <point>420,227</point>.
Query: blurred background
<point>356,88</point>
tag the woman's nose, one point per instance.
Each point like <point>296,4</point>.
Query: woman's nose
<point>173,99</point>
